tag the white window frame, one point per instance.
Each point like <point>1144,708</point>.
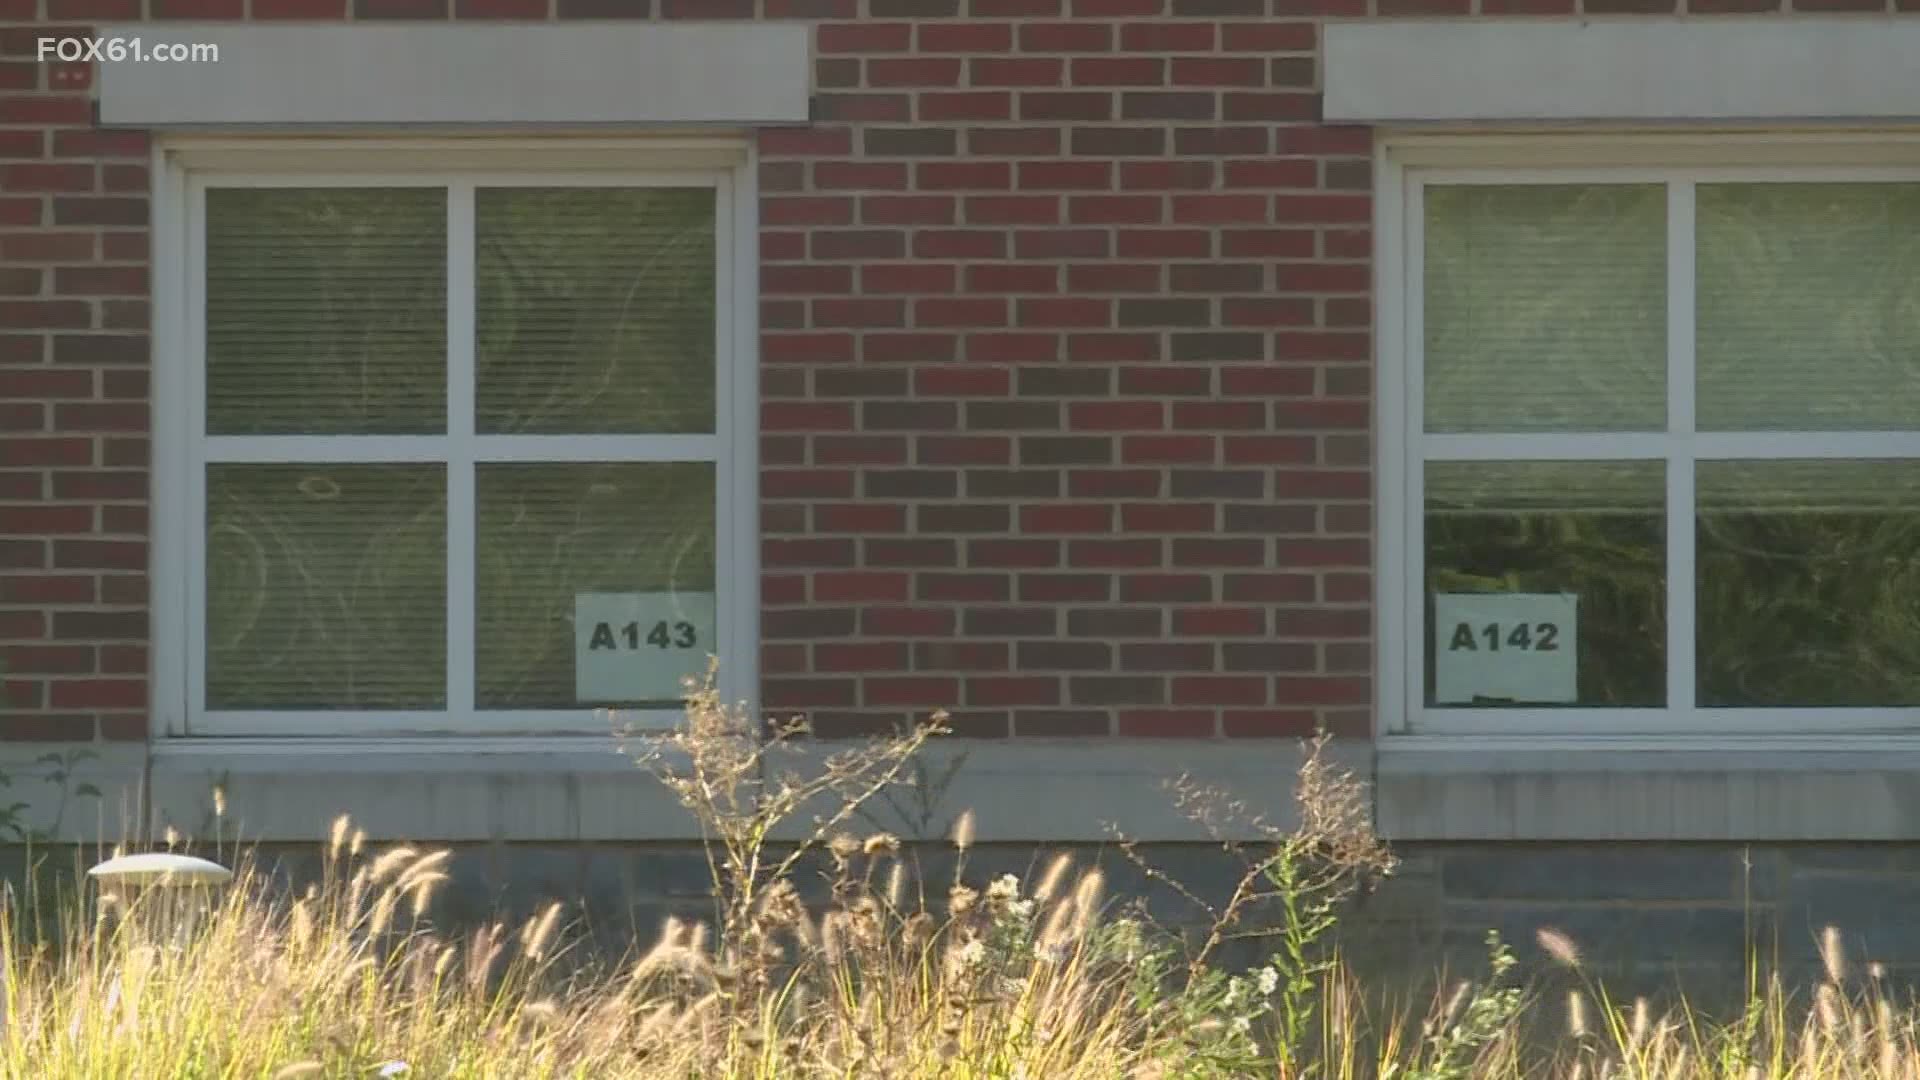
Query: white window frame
<point>1404,165</point>
<point>185,168</point>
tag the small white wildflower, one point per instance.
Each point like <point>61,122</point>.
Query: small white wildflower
<point>972,953</point>
<point>1021,909</point>
<point>394,1068</point>
<point>1241,1024</point>
<point>1005,888</point>
<point>1269,980</point>
<point>1233,994</point>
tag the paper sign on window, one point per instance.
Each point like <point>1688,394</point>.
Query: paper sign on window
<point>638,646</point>
<point>1505,648</point>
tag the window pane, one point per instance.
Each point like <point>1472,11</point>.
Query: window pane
<point>1545,308</point>
<point>1809,306</point>
<point>1808,576</point>
<point>326,587</point>
<point>1531,532</point>
<point>326,310</point>
<point>596,310</point>
<point>639,532</point>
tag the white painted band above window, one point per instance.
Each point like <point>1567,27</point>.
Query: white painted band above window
<point>1663,70</point>
<point>642,73</point>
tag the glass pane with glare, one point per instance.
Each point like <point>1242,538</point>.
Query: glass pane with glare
<point>595,310</point>
<point>1545,308</point>
<point>1809,307</point>
<point>1808,572</point>
<point>326,311</point>
<point>326,587</point>
<point>1509,540</point>
<point>550,534</point>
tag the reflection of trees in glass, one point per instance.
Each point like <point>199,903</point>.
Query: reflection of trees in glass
<point>1809,306</point>
<point>1545,307</point>
<point>548,532</point>
<point>326,586</point>
<point>1594,529</point>
<point>595,309</point>
<point>326,310</point>
<point>1809,583</point>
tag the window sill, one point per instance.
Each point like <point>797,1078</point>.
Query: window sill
<point>555,789</point>
<point>1759,788</point>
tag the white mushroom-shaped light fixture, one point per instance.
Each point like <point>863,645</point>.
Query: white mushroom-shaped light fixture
<point>161,868</point>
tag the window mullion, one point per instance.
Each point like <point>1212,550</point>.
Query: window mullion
<point>1414,425</point>
<point>461,517</point>
<point>1681,637</point>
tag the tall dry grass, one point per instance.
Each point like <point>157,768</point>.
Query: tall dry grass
<point>885,977</point>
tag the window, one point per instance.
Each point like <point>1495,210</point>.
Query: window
<point>1651,444</point>
<point>456,451</point>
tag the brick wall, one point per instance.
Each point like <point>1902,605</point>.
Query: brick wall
<point>1065,365</point>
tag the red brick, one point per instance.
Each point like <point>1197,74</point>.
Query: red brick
<point>1267,723</point>
<point>1065,312</point>
<point>871,175</point>
<point>1116,209</point>
<point>806,416</point>
<point>26,109</point>
<point>300,9</point>
<point>1017,348</point>
<point>1218,71</point>
<point>97,693</point>
<point>965,37</point>
<point>909,278</point>
<point>93,9</point>
<point>907,210</point>
<point>1267,243</point>
<point>917,690</point>
<point>1060,244</point>
<point>914,71</point>
<point>1019,690</point>
<point>962,382</point>
<point>47,520</point>
<point>1012,277</point>
<point>1026,71</point>
<point>1067,518</point>
<point>1059,175</point>
<point>1268,37</point>
<point>100,281</point>
<point>959,175</point>
<point>21,144</point>
<point>1119,71</point>
<point>806,142</point>
<point>1065,37</point>
<point>18,452</point>
<point>1012,209</point>
<point>1168,37</point>
<point>1268,449</point>
<point>959,244</point>
<point>199,9</point>
<point>1165,244</point>
<point>1219,690</point>
<point>1066,105</point>
<point>967,105</point>
<point>1167,723</point>
<point>860,37</point>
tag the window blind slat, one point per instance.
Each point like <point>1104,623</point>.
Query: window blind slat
<point>1545,308</point>
<point>326,311</point>
<point>326,586</point>
<point>595,310</point>
<point>1809,307</point>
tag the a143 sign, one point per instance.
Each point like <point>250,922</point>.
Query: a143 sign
<point>1505,648</point>
<point>638,646</point>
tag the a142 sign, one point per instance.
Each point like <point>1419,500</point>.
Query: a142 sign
<point>1516,648</point>
<point>638,646</point>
